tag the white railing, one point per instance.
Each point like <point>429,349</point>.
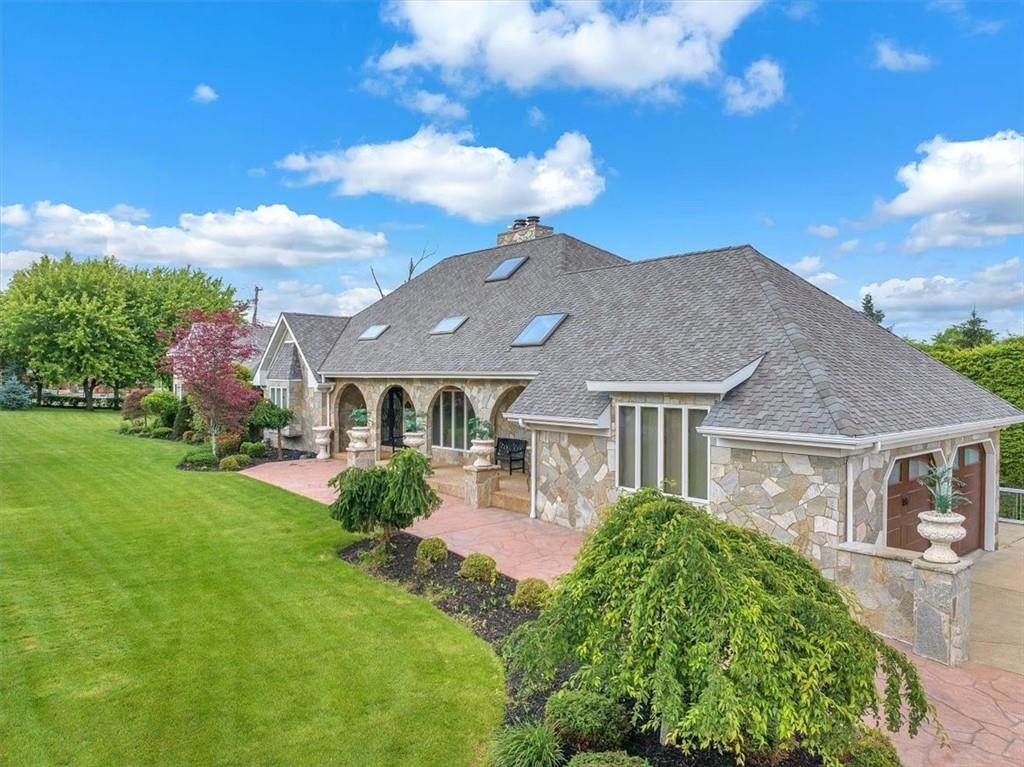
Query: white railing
<point>1011,505</point>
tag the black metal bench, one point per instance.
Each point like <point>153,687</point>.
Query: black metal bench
<point>512,451</point>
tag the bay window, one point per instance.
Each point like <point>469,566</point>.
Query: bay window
<point>449,419</point>
<point>659,446</point>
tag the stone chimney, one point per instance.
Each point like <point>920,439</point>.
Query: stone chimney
<point>523,229</point>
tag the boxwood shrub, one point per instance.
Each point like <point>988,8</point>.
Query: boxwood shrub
<point>198,459</point>
<point>531,594</point>
<point>432,550</point>
<point>234,462</point>
<point>254,449</point>
<point>872,748</point>
<point>586,719</point>
<point>161,432</point>
<point>478,567</point>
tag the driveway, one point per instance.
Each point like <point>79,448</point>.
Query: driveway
<point>997,603</point>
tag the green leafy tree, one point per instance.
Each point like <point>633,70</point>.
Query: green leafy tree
<point>867,307</point>
<point>718,634</point>
<point>267,415</point>
<point>969,334</point>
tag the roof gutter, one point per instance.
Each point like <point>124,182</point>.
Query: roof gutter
<point>603,421</point>
<point>432,374</point>
<point>721,388</point>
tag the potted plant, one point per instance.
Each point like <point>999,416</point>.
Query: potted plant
<point>414,436</point>
<point>481,434</point>
<point>359,434</point>
<point>942,526</point>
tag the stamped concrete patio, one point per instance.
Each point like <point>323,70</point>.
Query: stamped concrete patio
<point>980,706</point>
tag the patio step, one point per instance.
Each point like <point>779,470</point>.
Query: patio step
<point>511,501</point>
<point>447,487</point>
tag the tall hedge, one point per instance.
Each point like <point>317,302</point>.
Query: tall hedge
<point>999,367</point>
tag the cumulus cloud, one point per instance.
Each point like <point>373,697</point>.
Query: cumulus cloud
<point>936,301</point>
<point>964,194</point>
<point>957,9</point>
<point>438,168</point>
<point>825,231</point>
<point>314,298</point>
<point>435,105</point>
<point>125,212</point>
<point>270,235</point>
<point>810,268</point>
<point>204,94</point>
<point>761,87</point>
<point>888,55</point>
<point>581,45</point>
<point>848,246</point>
<point>13,260</point>
<point>14,215</point>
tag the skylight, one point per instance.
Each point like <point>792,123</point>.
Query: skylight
<point>539,330</point>
<point>448,326</point>
<point>373,332</point>
<point>505,269</point>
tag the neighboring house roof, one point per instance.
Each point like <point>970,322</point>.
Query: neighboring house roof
<point>259,338</point>
<point>800,361</point>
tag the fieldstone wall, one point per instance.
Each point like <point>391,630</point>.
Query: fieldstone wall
<point>942,610</point>
<point>574,481</point>
<point>883,584</point>
<point>795,498</point>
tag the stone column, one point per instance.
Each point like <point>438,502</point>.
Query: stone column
<point>481,482</point>
<point>362,459</point>
<point>942,610</point>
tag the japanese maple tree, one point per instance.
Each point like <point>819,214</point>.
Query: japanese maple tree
<point>203,353</point>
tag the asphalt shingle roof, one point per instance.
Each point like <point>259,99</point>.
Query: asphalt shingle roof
<point>825,368</point>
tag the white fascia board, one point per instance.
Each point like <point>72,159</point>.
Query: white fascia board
<point>281,326</point>
<point>721,388</point>
<point>490,374</point>
<point>550,420</point>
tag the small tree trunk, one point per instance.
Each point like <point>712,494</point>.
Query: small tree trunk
<point>39,393</point>
<point>87,386</point>
<point>280,450</point>
<point>213,439</point>
<point>117,395</point>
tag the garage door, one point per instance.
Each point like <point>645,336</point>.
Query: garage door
<point>906,497</point>
<point>969,468</point>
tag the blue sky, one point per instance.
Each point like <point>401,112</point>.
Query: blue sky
<point>867,146</point>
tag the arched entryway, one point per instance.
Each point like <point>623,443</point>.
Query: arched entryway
<point>502,426</point>
<point>349,399</point>
<point>393,405</point>
<point>449,416</point>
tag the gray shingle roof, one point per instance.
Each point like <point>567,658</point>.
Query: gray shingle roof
<point>826,369</point>
<point>315,334</point>
<point>259,337</point>
<point>286,365</point>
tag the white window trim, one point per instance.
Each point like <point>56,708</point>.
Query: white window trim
<point>284,399</point>
<point>661,449</point>
<point>465,420</point>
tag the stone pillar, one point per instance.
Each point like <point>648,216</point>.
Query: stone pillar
<point>323,442</point>
<point>481,482</point>
<point>362,459</point>
<point>942,610</point>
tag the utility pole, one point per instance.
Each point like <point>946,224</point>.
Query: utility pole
<point>255,302</point>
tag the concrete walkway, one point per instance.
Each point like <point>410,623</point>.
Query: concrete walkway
<point>980,705</point>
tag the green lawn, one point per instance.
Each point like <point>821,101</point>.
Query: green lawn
<point>149,616</point>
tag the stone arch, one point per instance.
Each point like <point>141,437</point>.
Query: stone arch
<point>502,426</point>
<point>348,398</point>
<point>448,416</point>
<point>390,411</point>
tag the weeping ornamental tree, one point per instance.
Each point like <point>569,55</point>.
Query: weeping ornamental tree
<point>203,354</point>
<point>721,636</point>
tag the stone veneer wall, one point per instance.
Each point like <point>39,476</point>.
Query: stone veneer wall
<point>797,499</point>
<point>574,482</point>
<point>884,587</point>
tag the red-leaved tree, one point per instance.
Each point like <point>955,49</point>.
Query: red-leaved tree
<point>203,353</point>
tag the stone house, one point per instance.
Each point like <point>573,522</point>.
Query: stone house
<point>718,375</point>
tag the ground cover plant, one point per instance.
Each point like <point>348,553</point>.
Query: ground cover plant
<point>152,616</point>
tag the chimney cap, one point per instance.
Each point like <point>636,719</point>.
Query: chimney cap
<point>519,223</point>
<point>533,219</point>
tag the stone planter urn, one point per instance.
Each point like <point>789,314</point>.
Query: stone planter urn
<point>359,437</point>
<point>482,449</point>
<point>414,439</point>
<point>323,441</point>
<point>941,530</point>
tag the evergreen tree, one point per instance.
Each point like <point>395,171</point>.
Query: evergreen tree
<point>973,331</point>
<point>867,306</point>
<point>14,395</point>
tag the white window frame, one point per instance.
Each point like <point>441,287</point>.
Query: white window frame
<point>661,408</point>
<point>465,419</point>
<point>278,394</point>
<point>179,389</point>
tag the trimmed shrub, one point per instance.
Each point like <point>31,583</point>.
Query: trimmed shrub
<point>526,745</point>
<point>254,449</point>
<point>234,462</point>
<point>607,759</point>
<point>872,748</point>
<point>531,594</point>
<point>201,458</point>
<point>182,419</point>
<point>162,405</point>
<point>586,719</point>
<point>432,550</point>
<point>228,443</point>
<point>161,432</point>
<point>478,567</point>
<point>710,628</point>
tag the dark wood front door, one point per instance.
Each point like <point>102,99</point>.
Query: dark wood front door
<point>969,468</point>
<point>906,498</point>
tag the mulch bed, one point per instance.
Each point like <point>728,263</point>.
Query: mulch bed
<point>289,455</point>
<point>485,609</point>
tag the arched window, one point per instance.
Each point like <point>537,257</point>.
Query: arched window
<point>449,419</point>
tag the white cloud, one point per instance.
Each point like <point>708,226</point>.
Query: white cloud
<point>313,298</point>
<point>14,215</point>
<point>810,268</point>
<point>825,231</point>
<point>765,219</point>
<point>580,45</point>
<point>964,193</point>
<point>799,10</point>
<point>479,182</point>
<point>435,105</point>
<point>957,9</point>
<point>930,303</point>
<point>888,55</point>
<point>848,246</point>
<point>761,87</point>
<point>125,212</point>
<point>535,116</point>
<point>13,260</point>
<point>270,235</point>
<point>204,94</point>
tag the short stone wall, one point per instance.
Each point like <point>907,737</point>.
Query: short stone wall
<point>574,482</point>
